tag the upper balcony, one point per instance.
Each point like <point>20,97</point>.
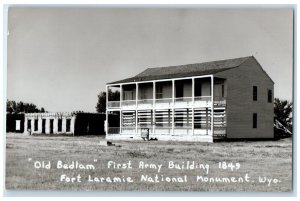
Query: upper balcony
<point>182,93</point>
<point>183,102</point>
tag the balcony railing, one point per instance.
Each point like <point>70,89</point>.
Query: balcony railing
<point>113,104</point>
<point>145,103</point>
<point>199,101</point>
<point>164,102</point>
<point>128,103</point>
<point>219,101</point>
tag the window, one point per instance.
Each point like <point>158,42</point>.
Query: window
<point>270,96</point>
<point>36,124</point>
<point>255,93</point>
<point>254,120</point>
<point>68,127</point>
<point>59,125</point>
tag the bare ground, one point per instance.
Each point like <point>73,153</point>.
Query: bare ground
<point>271,159</point>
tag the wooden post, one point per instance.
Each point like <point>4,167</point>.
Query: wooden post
<point>173,111</point>
<point>121,95</point>
<point>136,121</point>
<point>206,120</point>
<point>193,109</point>
<point>153,106</point>
<point>136,94</point>
<point>136,106</point>
<point>121,100</point>
<point>106,114</point>
<point>212,105</point>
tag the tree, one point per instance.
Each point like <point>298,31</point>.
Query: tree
<point>283,112</point>
<point>18,107</point>
<point>101,104</point>
<point>11,106</point>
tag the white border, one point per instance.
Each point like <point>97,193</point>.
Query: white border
<point>259,3</point>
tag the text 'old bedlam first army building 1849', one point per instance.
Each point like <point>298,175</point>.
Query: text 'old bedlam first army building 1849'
<point>196,102</point>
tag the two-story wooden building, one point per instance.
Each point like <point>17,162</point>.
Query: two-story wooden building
<point>196,102</point>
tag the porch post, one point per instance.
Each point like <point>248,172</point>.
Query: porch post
<point>212,105</point>
<point>136,106</point>
<point>154,99</point>
<point>173,111</point>
<point>121,116</point>
<point>121,100</point>
<point>193,109</point>
<point>136,94</point>
<point>121,95</point>
<point>106,114</point>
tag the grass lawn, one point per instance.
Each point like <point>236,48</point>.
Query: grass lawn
<point>271,159</point>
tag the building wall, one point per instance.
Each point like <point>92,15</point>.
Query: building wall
<point>48,117</point>
<point>240,104</point>
<point>205,86</point>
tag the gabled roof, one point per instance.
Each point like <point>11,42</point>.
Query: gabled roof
<point>188,70</point>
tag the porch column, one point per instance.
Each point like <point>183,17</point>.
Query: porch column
<point>136,94</point>
<point>121,127</point>
<point>193,109</point>
<point>40,124</point>
<point>136,106</point>
<point>212,105</point>
<point>55,125</point>
<point>73,125</point>
<point>154,99</point>
<point>106,115</point>
<point>173,111</point>
<point>25,124</point>
<point>121,95</point>
<point>64,124</point>
<point>136,121</point>
<point>121,99</point>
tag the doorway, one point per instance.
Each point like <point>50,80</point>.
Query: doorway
<point>44,126</point>
<point>51,125</point>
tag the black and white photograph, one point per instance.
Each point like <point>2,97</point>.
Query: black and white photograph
<point>149,98</point>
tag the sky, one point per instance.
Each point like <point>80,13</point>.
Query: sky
<point>61,58</point>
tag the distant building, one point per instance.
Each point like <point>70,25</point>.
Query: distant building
<point>15,122</point>
<point>64,123</point>
<point>196,102</point>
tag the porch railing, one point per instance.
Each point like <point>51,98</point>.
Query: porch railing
<point>164,102</point>
<point>219,101</point>
<point>178,131</point>
<point>198,101</point>
<point>128,103</point>
<point>113,104</point>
